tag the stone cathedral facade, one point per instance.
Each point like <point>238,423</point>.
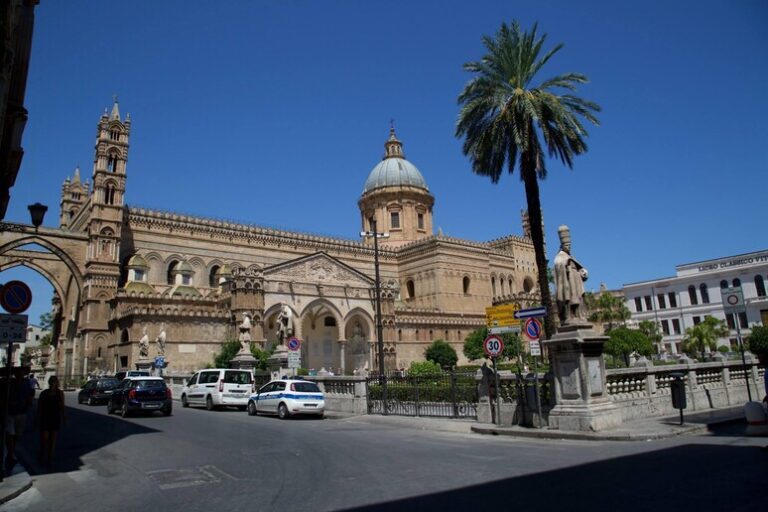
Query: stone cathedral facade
<point>194,279</point>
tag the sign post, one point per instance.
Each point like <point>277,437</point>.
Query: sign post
<point>501,319</point>
<point>15,297</point>
<point>533,331</point>
<point>294,353</point>
<point>494,346</point>
<point>733,304</point>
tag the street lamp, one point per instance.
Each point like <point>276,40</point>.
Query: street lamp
<point>37,212</point>
<point>377,296</point>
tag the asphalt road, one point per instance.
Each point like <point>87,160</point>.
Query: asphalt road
<point>198,460</point>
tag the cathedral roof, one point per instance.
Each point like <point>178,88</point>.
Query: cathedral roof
<point>394,170</point>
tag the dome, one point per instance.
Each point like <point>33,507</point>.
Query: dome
<point>394,170</point>
<point>137,261</point>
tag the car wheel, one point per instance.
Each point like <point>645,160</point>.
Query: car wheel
<point>124,410</point>
<point>168,411</point>
<point>184,402</point>
<point>282,412</point>
<point>110,410</point>
<point>252,408</point>
<point>90,400</point>
<point>209,403</point>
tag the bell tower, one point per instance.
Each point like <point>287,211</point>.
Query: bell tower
<point>104,228</point>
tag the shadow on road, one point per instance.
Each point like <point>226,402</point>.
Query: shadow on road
<point>84,432</point>
<point>690,477</point>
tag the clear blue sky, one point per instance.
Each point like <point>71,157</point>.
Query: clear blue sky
<point>273,113</point>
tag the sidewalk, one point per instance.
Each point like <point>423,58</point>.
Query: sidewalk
<point>639,430</point>
<point>15,484</point>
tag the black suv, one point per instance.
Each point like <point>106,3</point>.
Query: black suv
<point>141,394</point>
<point>97,390</point>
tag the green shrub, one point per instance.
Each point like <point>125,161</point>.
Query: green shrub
<point>758,340</point>
<point>442,353</point>
<point>723,349</point>
<point>424,368</point>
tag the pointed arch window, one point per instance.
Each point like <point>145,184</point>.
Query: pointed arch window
<point>528,284</point>
<point>704,293</point>
<point>410,289</point>
<point>465,283</point>
<point>692,295</point>
<point>760,285</point>
<point>213,277</point>
<point>171,268</point>
<point>112,163</point>
<point>511,286</point>
<point>493,286</point>
<point>110,194</point>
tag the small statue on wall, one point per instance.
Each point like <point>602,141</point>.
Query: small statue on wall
<point>569,281</point>
<point>284,324</point>
<point>245,333</point>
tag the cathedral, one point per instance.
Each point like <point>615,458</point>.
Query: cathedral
<point>192,281</point>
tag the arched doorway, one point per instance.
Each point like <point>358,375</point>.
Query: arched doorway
<point>320,332</point>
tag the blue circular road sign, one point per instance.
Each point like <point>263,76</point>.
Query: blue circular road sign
<point>294,344</point>
<point>15,297</point>
<point>533,329</point>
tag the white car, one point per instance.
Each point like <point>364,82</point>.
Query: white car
<point>287,397</point>
<point>218,387</point>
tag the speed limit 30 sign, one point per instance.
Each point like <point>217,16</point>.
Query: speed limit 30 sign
<point>493,346</point>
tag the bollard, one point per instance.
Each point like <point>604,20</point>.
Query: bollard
<point>679,400</point>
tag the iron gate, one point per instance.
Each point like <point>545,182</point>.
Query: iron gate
<point>447,395</point>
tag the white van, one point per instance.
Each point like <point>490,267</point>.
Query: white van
<point>218,387</point>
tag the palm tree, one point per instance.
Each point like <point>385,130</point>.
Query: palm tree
<point>504,116</point>
<point>704,335</point>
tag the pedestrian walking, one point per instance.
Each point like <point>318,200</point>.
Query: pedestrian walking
<point>50,418</point>
<point>19,404</point>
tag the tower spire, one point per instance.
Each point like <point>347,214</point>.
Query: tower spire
<point>393,148</point>
<point>115,115</point>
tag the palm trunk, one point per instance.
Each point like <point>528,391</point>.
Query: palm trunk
<point>528,171</point>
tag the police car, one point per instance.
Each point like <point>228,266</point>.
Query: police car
<point>286,398</point>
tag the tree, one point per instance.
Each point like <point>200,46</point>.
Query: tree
<point>758,340</point>
<point>704,335</point>
<point>651,330</point>
<point>622,342</point>
<point>424,369</point>
<point>606,309</point>
<point>473,345</point>
<point>504,117</point>
<point>442,353</point>
<point>46,321</point>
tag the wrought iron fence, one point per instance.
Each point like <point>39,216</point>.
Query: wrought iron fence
<point>449,395</point>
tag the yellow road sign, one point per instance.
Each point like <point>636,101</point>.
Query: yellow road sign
<point>502,316</point>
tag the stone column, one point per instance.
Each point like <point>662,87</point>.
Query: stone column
<point>343,356</point>
<point>582,401</point>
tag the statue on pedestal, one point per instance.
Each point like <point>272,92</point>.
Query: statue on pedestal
<point>160,341</point>
<point>285,328</point>
<point>144,345</point>
<point>569,282</point>
<point>245,334</point>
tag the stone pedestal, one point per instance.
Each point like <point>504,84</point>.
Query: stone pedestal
<point>278,362</point>
<point>145,364</point>
<point>243,361</point>
<point>581,395</point>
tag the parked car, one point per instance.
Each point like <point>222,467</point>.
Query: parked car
<point>218,387</point>
<point>141,394</point>
<point>97,390</point>
<point>131,373</point>
<point>287,397</point>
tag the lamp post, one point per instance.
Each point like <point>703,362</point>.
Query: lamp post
<point>37,213</point>
<point>377,296</point>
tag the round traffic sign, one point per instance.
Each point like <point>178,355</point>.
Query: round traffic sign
<point>533,329</point>
<point>15,297</point>
<point>493,345</point>
<point>293,344</point>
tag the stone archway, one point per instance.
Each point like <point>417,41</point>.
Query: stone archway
<point>320,323</point>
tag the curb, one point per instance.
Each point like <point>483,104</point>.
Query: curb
<point>8,497</point>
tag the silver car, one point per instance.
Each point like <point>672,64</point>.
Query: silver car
<point>286,398</point>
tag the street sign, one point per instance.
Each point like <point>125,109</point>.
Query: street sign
<point>294,344</point>
<point>503,330</point>
<point>493,346</point>
<point>294,359</point>
<point>531,312</point>
<point>13,328</point>
<point>535,348</point>
<point>159,362</point>
<point>532,329</point>
<point>733,300</point>
<point>502,316</point>
<point>15,297</point>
